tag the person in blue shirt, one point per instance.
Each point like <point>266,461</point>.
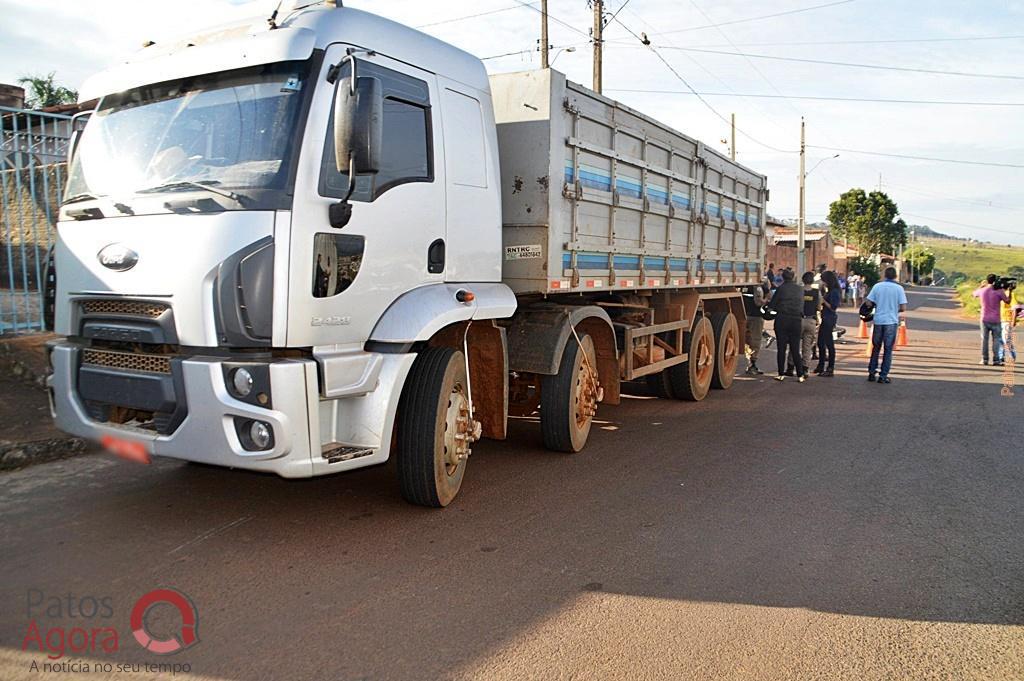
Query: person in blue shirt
<point>831,299</point>
<point>890,304</point>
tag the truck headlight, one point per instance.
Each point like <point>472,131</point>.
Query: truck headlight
<point>242,382</point>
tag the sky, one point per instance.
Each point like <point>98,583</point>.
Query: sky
<point>982,38</point>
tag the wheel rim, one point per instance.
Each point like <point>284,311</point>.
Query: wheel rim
<point>586,393</point>
<point>730,351</point>
<point>458,429</point>
<point>705,359</point>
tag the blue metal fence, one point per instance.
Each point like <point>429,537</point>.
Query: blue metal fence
<point>33,149</point>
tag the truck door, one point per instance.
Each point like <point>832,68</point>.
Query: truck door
<point>473,200</point>
<point>341,280</point>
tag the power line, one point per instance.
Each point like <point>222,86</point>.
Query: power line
<point>467,16</point>
<point>918,158</point>
<point>824,98</point>
<point>964,224</point>
<point>932,194</point>
<point>866,42</point>
<point>757,18</point>
<point>690,88</point>
<point>554,18</point>
<point>621,7</point>
<point>850,64</point>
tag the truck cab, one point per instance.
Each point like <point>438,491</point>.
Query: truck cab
<point>226,292</point>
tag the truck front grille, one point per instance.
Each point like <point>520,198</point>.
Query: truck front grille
<point>138,308</point>
<point>156,364</point>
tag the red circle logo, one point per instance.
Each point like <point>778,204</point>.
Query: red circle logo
<point>189,622</point>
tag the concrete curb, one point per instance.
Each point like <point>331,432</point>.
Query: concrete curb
<point>14,455</point>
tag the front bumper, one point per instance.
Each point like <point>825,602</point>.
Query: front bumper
<point>208,433</point>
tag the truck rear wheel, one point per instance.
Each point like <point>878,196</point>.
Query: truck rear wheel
<point>568,400</point>
<point>691,379</point>
<point>727,349</point>
<point>435,428</point>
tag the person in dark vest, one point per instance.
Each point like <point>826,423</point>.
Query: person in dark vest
<point>808,323</point>
<point>788,302</point>
<point>831,300</point>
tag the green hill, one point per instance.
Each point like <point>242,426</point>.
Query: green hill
<point>971,260</point>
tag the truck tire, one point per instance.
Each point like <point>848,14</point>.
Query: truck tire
<point>727,349</point>
<point>660,385</point>
<point>434,408</point>
<point>691,379</point>
<point>567,399</point>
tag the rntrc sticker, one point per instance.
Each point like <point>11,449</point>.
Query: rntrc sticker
<point>524,252</point>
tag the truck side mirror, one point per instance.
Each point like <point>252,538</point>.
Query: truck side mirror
<point>358,125</point>
<point>77,125</point>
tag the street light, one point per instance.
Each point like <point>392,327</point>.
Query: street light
<point>801,241</point>
<point>827,158</point>
<point>560,51</point>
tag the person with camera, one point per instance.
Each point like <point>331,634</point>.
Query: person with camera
<point>992,295</point>
<point>1008,313</point>
<point>889,302</point>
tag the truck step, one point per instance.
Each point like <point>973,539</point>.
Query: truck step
<point>336,453</point>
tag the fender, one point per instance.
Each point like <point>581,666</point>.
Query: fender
<point>418,314</point>
<point>538,334</point>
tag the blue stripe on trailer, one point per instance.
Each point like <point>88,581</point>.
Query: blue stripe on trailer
<point>710,266</point>
<point>586,261</point>
<point>681,200</point>
<point>656,194</point>
<point>653,263</point>
<point>627,262</point>
<point>679,264</point>
<point>725,266</point>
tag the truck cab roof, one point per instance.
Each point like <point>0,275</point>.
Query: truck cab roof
<point>253,42</point>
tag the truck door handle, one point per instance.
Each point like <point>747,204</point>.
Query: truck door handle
<point>435,257</point>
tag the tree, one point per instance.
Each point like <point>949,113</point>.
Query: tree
<point>43,92</point>
<point>921,257</point>
<point>866,268</point>
<point>868,221</point>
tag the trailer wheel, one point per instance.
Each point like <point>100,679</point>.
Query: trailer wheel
<point>691,379</point>
<point>727,349</point>
<point>568,400</point>
<point>660,385</point>
<point>435,429</point>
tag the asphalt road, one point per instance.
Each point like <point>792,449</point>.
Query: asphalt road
<point>836,529</point>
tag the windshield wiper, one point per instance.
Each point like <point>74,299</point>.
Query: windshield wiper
<point>84,196</point>
<point>240,199</point>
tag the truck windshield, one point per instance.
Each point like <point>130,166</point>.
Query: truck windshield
<point>223,141</point>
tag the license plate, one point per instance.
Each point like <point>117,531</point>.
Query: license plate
<point>130,450</point>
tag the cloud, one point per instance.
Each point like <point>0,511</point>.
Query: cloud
<point>79,38</point>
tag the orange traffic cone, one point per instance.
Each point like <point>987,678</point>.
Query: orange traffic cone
<point>867,346</point>
<point>901,335</point>
<point>862,332</point>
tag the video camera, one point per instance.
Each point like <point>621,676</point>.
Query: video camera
<point>1008,283</point>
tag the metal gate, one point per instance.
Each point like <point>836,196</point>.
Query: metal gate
<point>33,168</point>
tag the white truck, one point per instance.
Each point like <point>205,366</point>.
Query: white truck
<point>309,244</point>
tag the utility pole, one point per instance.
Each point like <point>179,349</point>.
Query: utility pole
<point>800,227</point>
<point>544,44</point>
<point>598,29</point>
<point>732,146</point>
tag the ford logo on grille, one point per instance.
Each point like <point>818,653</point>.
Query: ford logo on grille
<point>117,257</point>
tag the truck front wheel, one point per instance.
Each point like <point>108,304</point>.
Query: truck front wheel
<point>435,428</point>
<point>568,400</point>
